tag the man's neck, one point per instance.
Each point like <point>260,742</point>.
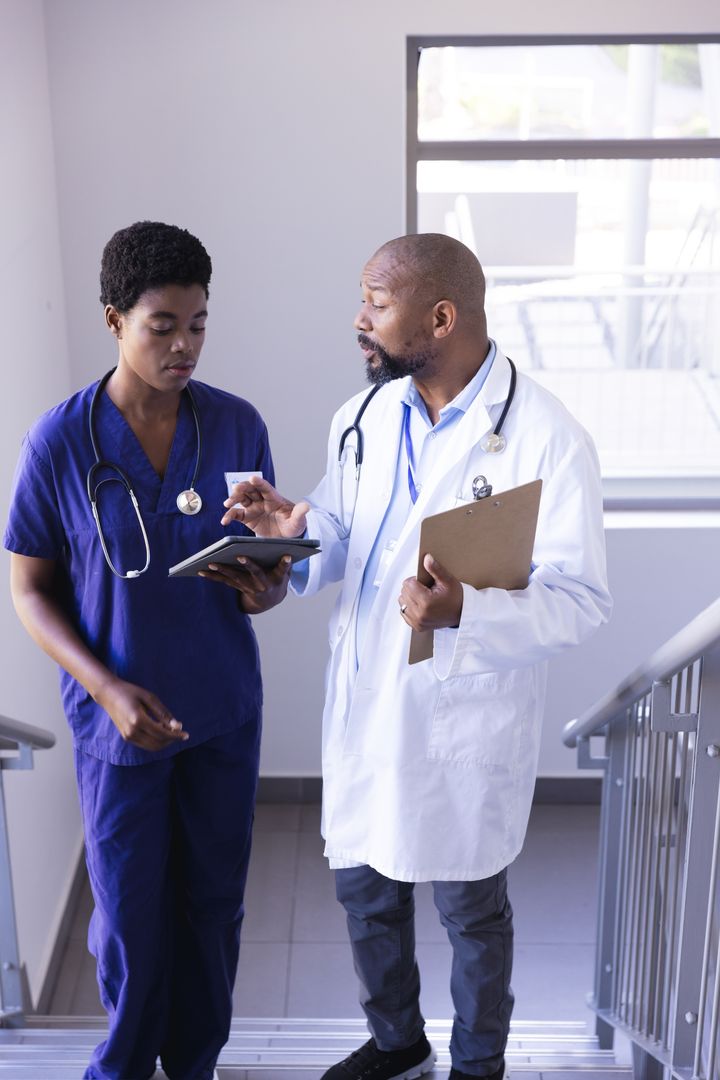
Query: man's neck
<point>440,389</point>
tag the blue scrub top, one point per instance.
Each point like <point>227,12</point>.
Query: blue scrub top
<point>184,639</point>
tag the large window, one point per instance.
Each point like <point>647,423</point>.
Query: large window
<point>585,175</point>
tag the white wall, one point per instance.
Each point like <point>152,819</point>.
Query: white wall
<point>274,130</point>
<point>663,570</point>
<point>41,805</point>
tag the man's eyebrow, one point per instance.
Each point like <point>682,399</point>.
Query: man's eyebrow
<point>172,315</point>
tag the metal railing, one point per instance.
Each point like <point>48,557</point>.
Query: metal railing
<point>657,968</point>
<point>17,743</point>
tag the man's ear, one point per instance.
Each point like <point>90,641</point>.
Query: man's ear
<point>444,318</point>
<point>113,320</point>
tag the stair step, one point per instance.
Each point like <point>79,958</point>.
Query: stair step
<point>56,1048</point>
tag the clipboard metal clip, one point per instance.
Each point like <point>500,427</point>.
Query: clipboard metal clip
<point>480,488</point>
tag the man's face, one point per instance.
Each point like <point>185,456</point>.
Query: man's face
<point>394,327</point>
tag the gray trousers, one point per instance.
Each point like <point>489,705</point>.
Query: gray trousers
<point>478,919</point>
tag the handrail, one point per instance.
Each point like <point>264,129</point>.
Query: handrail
<point>700,635</point>
<point>24,739</point>
<point>14,733</point>
<point>657,961</point>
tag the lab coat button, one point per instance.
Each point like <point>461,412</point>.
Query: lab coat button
<point>358,563</point>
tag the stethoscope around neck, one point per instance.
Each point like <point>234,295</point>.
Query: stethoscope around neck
<point>188,501</point>
<point>492,443</point>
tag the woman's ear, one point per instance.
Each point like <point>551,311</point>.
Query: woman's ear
<point>113,320</point>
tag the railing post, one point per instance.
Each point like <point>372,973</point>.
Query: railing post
<point>645,1066</point>
<point>11,989</point>
<point>611,831</point>
<point>700,868</point>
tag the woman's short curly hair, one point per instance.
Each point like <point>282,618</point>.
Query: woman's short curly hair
<point>148,255</point>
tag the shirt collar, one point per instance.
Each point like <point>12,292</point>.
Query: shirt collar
<point>462,401</point>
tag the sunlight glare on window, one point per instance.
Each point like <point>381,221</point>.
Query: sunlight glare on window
<point>603,268</point>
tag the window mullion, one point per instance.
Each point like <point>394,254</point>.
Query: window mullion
<point>566,149</point>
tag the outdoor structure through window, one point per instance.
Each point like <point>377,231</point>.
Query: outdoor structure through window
<point>585,174</point>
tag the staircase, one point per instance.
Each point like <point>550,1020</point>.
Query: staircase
<point>58,1048</point>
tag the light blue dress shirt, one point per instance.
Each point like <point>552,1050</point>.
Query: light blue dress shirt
<point>428,444</point>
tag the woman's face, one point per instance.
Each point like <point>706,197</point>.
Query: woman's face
<point>160,339</point>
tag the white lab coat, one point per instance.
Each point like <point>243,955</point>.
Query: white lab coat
<point>429,768</point>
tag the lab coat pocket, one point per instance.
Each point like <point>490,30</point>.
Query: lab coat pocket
<point>479,719</point>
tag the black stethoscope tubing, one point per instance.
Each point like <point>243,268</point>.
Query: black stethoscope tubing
<point>509,399</point>
<point>355,429</point>
<point>93,438</point>
<point>122,477</point>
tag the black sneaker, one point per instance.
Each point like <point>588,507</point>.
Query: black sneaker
<point>499,1074</point>
<point>369,1063</point>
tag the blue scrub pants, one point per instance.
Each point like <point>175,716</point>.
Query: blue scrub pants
<point>167,847</point>
<point>478,919</point>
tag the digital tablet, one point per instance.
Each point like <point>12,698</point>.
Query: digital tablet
<point>267,551</point>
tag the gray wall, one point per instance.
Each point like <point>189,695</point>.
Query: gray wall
<point>42,807</point>
<point>275,131</point>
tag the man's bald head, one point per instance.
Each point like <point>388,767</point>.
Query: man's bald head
<point>423,314</point>
<point>436,267</point>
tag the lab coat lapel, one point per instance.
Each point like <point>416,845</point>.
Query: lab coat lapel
<point>472,427</point>
<point>382,428</point>
<point>382,425</point>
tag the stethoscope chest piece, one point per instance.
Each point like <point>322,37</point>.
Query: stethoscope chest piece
<point>189,502</point>
<point>493,443</point>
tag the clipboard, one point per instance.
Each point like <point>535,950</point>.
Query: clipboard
<point>487,544</point>
<point>266,551</point>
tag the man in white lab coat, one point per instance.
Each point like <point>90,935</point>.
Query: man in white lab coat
<point>429,768</point>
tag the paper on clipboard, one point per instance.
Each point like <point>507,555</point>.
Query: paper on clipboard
<point>487,544</point>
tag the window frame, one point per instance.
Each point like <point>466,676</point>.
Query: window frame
<point>692,493</point>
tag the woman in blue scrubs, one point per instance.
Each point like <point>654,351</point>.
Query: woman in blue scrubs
<point>166,748</point>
